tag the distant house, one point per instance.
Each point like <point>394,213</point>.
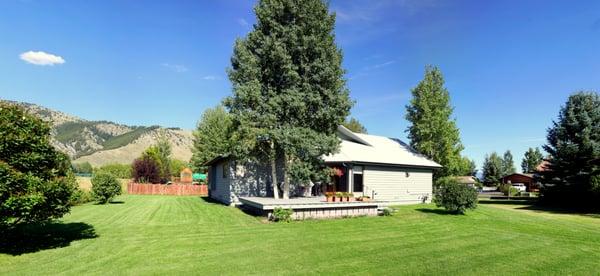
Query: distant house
<point>468,180</point>
<point>385,169</point>
<point>526,178</point>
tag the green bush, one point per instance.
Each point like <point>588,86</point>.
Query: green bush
<point>80,197</point>
<point>118,170</point>
<point>104,187</point>
<point>82,168</point>
<point>387,212</point>
<point>281,214</point>
<point>508,190</point>
<point>456,198</point>
<point>36,181</point>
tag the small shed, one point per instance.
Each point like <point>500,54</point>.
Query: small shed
<point>525,178</point>
<point>186,175</point>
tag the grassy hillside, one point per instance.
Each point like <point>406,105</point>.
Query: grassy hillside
<point>186,235</point>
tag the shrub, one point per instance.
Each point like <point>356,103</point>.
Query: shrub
<point>118,170</point>
<point>281,214</point>
<point>82,168</point>
<point>36,181</point>
<point>508,190</point>
<point>456,198</point>
<point>104,187</point>
<point>80,197</point>
<point>177,166</point>
<point>387,212</point>
<point>146,170</point>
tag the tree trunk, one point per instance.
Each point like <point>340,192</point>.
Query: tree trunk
<point>274,178</point>
<point>274,172</point>
<point>286,179</point>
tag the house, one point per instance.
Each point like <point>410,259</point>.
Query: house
<point>468,181</point>
<point>526,178</point>
<point>385,169</point>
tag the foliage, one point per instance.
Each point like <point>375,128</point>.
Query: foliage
<point>212,137</point>
<point>82,168</point>
<point>177,166</point>
<point>387,212</point>
<point>354,125</point>
<point>573,143</point>
<point>118,170</point>
<point>432,130</point>
<point>509,190</point>
<point>508,166</point>
<point>456,198</point>
<point>289,94</point>
<point>492,169</point>
<point>281,214</point>
<point>161,154</point>
<point>127,138</point>
<point>443,181</point>
<point>36,181</point>
<point>532,158</point>
<point>105,187</point>
<point>146,170</point>
<point>466,166</point>
<point>80,197</point>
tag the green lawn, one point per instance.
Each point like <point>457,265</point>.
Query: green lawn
<point>186,235</point>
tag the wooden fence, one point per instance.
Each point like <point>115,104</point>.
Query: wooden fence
<point>161,189</point>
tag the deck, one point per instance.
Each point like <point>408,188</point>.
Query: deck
<point>310,207</point>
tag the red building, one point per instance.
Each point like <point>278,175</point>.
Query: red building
<point>525,178</point>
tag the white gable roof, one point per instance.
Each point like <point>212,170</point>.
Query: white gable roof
<point>365,148</point>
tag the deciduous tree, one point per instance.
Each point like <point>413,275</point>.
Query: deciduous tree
<point>531,159</point>
<point>492,169</point>
<point>289,94</point>
<point>354,125</point>
<point>36,181</point>
<point>508,165</point>
<point>212,137</point>
<point>433,131</point>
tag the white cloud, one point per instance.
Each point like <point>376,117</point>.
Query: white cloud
<point>380,65</point>
<point>243,22</point>
<point>175,67</point>
<point>41,58</point>
<point>211,77</point>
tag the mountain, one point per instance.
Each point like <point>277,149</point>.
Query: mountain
<point>104,142</point>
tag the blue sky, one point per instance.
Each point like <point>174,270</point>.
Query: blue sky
<point>509,65</point>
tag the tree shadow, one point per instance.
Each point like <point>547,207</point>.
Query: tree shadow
<point>33,238</point>
<point>116,202</point>
<point>437,211</point>
<point>209,200</point>
<point>508,201</point>
<point>535,205</point>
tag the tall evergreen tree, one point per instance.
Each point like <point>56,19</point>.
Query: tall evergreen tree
<point>492,169</point>
<point>574,148</point>
<point>354,125</point>
<point>211,137</point>
<point>531,159</point>
<point>508,165</point>
<point>433,131</point>
<point>289,94</point>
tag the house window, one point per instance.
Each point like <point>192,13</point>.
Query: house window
<point>357,179</point>
<point>225,169</point>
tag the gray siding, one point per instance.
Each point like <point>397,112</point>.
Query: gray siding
<point>222,186</point>
<point>392,184</point>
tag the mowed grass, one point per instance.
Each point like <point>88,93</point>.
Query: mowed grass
<point>186,235</point>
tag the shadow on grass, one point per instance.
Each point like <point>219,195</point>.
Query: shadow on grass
<point>535,205</point>
<point>210,200</point>
<point>508,201</point>
<point>33,238</point>
<point>116,202</point>
<point>437,211</point>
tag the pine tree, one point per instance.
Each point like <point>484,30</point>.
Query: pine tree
<point>531,159</point>
<point>354,125</point>
<point>492,169</point>
<point>508,165</point>
<point>289,94</point>
<point>574,148</point>
<point>433,131</point>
